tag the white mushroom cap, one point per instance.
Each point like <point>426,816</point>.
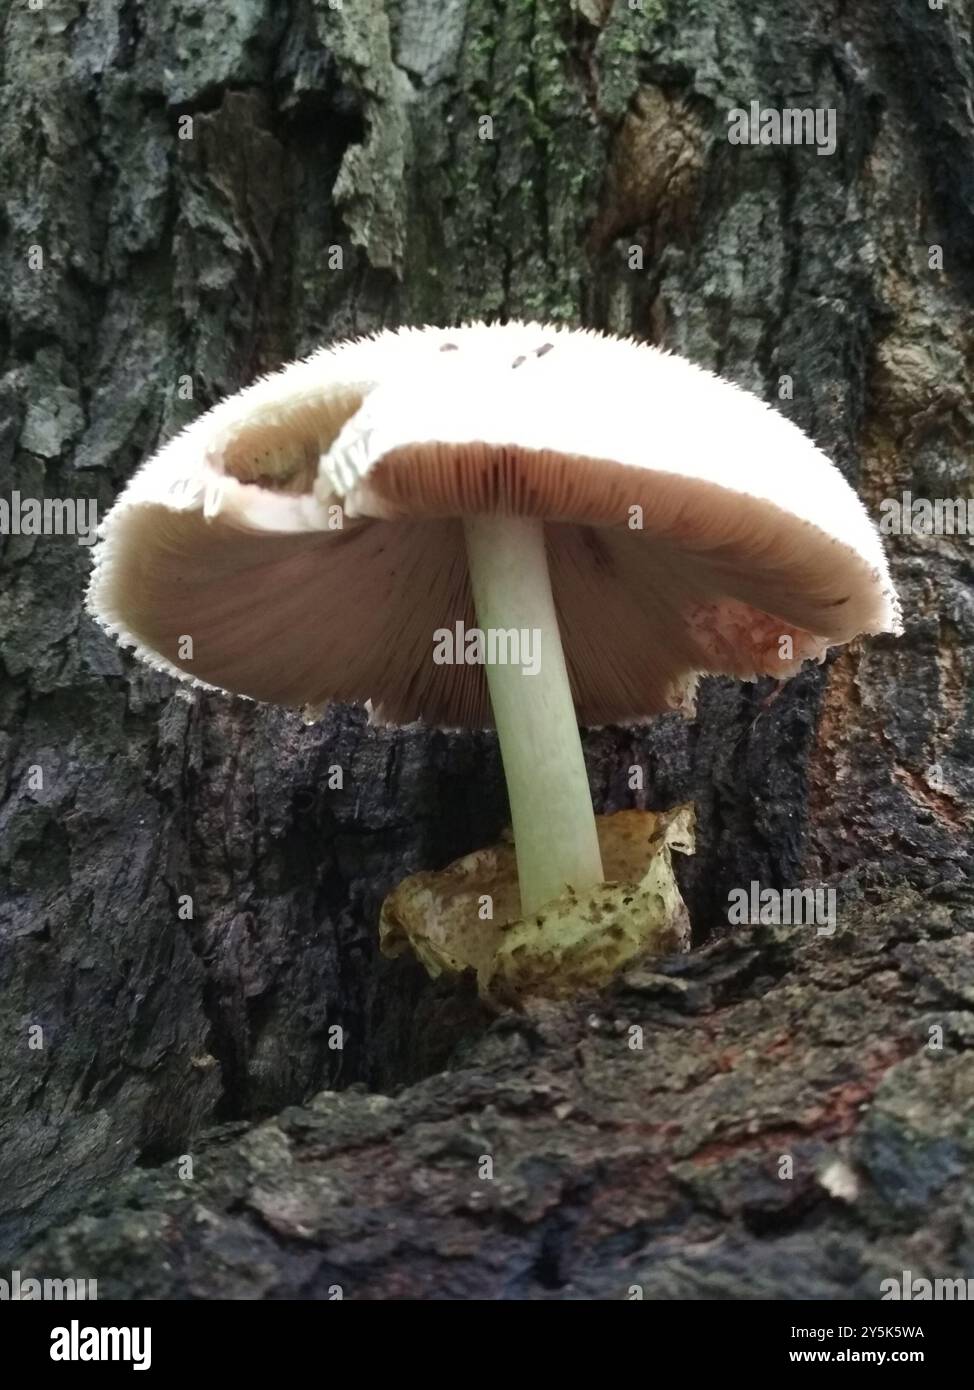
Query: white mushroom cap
<point>749,534</point>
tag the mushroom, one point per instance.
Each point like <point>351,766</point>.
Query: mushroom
<point>317,534</point>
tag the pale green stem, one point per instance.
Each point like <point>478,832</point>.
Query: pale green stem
<point>551,806</point>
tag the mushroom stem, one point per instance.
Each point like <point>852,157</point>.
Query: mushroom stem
<point>551,807</point>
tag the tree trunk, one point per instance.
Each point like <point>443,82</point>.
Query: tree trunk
<point>188,910</point>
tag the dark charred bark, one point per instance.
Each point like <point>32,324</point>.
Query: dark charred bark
<point>615,1171</point>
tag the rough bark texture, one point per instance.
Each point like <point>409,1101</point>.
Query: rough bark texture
<point>208,259</point>
<point>615,1172</point>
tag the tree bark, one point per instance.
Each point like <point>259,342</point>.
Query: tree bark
<point>778,1130</point>
<point>217,189</point>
